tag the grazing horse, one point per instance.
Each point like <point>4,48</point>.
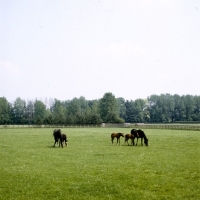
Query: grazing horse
<point>117,135</point>
<point>129,136</point>
<point>140,134</point>
<point>64,139</point>
<point>58,137</point>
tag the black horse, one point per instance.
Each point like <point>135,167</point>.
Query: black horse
<point>58,138</point>
<point>140,134</point>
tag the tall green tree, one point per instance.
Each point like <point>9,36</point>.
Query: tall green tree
<point>83,104</point>
<point>5,111</point>
<point>92,113</point>
<point>161,108</point>
<point>196,112</point>
<point>179,108</point>
<point>30,112</point>
<point>48,119</point>
<point>39,112</point>
<point>109,109</point>
<point>19,111</point>
<point>74,107</point>
<point>167,106</point>
<point>189,106</point>
<point>122,107</point>
<point>140,106</point>
<point>136,111</point>
<point>84,110</point>
<point>129,111</point>
<point>73,111</point>
<point>59,112</point>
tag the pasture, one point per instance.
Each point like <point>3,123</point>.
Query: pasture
<point>92,168</point>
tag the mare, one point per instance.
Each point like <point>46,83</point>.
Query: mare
<point>140,134</point>
<point>129,136</point>
<point>116,135</point>
<point>58,137</point>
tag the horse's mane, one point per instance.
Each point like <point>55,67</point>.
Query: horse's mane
<point>145,138</point>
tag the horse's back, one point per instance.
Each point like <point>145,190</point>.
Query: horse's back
<point>57,134</point>
<point>64,137</point>
<point>133,131</point>
<point>117,135</point>
<point>141,133</point>
<point>130,135</point>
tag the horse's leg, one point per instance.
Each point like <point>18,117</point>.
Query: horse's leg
<point>61,142</point>
<point>126,140</point>
<point>133,143</point>
<point>112,140</point>
<point>137,141</point>
<point>118,140</point>
<point>141,141</point>
<point>55,141</point>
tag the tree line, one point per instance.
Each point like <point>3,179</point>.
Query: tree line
<point>164,108</point>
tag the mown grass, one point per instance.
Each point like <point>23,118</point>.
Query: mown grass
<point>92,168</point>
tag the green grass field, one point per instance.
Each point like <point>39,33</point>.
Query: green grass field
<point>92,168</point>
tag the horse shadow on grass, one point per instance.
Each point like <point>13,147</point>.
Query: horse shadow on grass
<point>52,147</point>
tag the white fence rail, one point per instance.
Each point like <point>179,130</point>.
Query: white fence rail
<point>107,125</point>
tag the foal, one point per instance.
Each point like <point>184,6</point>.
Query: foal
<point>117,135</point>
<point>129,136</point>
<point>64,139</point>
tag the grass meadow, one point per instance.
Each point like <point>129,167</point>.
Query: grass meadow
<point>92,168</point>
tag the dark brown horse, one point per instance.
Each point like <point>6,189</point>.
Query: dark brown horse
<point>58,137</point>
<point>116,135</point>
<point>140,134</point>
<point>64,139</point>
<point>129,136</point>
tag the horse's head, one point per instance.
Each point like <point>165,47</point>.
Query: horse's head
<point>146,142</point>
<point>122,134</point>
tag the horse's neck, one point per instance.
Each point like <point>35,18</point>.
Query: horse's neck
<point>145,137</point>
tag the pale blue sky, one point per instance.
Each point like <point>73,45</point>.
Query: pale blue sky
<point>71,48</point>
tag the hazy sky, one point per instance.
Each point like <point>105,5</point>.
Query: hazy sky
<point>70,48</point>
